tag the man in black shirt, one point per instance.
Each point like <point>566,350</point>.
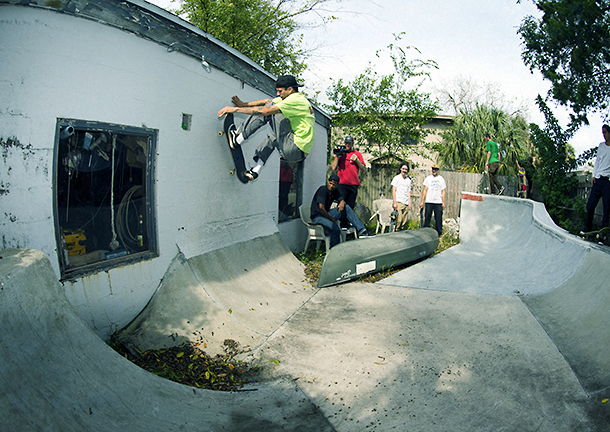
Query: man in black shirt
<point>322,214</point>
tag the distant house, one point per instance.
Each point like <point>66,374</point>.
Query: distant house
<point>419,156</point>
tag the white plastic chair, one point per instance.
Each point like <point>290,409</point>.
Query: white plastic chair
<point>382,208</point>
<point>315,232</point>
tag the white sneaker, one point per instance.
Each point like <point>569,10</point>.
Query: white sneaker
<point>233,136</point>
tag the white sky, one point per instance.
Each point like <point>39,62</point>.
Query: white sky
<point>475,39</point>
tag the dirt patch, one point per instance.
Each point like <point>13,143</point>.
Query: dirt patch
<point>188,364</point>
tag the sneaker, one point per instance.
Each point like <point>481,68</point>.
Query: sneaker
<point>365,234</point>
<point>232,136</point>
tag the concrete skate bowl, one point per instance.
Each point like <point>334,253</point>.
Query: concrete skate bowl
<point>57,375</point>
<point>510,246</point>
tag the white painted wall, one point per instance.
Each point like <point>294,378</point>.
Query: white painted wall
<point>59,66</point>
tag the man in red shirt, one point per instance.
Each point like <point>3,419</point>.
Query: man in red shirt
<point>347,166</point>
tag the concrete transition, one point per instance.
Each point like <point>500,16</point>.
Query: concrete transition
<point>504,332</point>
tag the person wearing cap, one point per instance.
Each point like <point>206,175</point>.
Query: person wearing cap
<point>401,195</point>
<point>323,214</point>
<point>493,164</point>
<point>347,165</point>
<point>434,197</point>
<point>290,117</point>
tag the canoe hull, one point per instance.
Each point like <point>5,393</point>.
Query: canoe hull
<point>350,260</point>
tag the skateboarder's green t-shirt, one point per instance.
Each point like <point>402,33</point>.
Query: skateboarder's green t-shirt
<point>297,109</point>
<point>493,148</point>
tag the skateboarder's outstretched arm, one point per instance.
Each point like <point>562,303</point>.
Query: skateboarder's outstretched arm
<point>258,108</point>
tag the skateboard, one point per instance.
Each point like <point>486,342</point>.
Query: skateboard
<point>521,192</point>
<point>236,153</point>
<point>599,235</point>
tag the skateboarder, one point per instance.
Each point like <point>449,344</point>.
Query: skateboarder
<point>493,164</point>
<point>290,117</point>
<point>600,181</point>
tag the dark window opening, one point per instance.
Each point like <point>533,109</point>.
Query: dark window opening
<point>290,193</point>
<point>103,195</point>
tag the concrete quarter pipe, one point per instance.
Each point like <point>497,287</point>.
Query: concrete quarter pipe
<point>441,346</point>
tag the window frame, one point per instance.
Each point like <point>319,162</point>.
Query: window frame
<point>68,272</point>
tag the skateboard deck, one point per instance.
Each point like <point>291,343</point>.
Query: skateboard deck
<point>596,235</point>
<point>521,192</point>
<point>236,152</point>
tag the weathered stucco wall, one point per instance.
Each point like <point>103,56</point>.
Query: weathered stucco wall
<point>59,65</point>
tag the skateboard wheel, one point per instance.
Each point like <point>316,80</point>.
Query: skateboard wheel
<point>221,133</point>
<point>231,172</point>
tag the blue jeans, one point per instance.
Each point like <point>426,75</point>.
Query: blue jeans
<point>335,230</point>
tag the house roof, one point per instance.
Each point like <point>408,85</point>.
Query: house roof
<point>158,25</point>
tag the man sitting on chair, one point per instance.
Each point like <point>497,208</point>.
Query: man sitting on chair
<point>322,214</point>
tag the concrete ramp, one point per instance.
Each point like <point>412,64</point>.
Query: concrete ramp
<point>576,315</point>
<point>507,246</point>
<point>511,246</point>
<point>243,292</point>
<point>57,375</point>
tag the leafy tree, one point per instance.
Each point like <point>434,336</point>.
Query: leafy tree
<point>264,30</point>
<point>570,46</point>
<point>385,112</point>
<point>463,144</point>
<point>556,160</point>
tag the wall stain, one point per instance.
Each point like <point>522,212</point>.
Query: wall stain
<point>13,143</point>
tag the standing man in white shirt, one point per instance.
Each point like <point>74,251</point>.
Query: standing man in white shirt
<point>601,182</point>
<point>434,197</point>
<point>401,195</point>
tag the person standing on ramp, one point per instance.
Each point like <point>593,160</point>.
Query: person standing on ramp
<point>290,117</point>
<point>600,182</point>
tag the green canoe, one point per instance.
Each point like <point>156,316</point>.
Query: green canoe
<point>353,259</point>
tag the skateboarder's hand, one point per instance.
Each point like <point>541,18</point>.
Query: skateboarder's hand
<point>238,102</point>
<point>226,110</point>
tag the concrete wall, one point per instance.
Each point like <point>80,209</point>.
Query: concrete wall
<point>59,65</point>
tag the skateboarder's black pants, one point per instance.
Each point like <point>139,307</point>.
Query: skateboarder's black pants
<point>280,138</point>
<point>493,180</point>
<point>438,216</point>
<point>600,189</point>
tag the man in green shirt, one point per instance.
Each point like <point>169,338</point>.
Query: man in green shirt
<point>493,164</point>
<point>290,117</point>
